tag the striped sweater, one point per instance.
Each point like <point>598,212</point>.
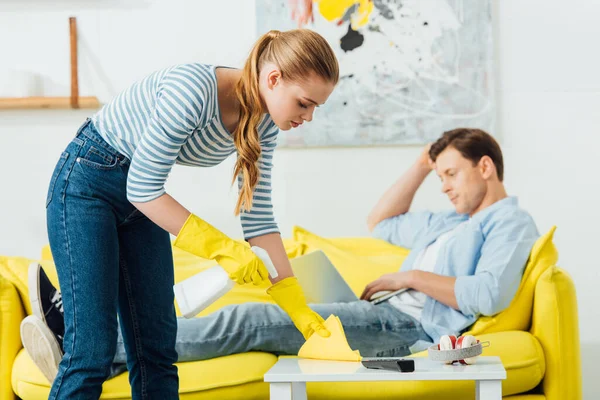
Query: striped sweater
<point>172,116</point>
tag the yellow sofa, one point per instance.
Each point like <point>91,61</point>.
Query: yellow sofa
<point>537,337</point>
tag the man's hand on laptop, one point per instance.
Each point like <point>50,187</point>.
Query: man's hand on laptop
<point>388,282</point>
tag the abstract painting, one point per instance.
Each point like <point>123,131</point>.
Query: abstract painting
<point>409,69</point>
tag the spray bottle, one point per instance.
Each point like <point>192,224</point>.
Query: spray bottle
<point>197,292</point>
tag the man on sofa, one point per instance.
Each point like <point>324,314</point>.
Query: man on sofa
<point>463,263</point>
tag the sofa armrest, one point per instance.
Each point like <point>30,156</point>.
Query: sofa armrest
<point>556,325</point>
<point>11,315</point>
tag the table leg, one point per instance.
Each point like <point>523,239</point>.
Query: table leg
<point>299,391</point>
<point>488,390</point>
<point>288,391</point>
<point>281,391</point>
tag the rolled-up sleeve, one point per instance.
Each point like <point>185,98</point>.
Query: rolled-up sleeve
<point>499,270</point>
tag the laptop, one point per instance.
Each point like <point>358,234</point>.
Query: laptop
<point>322,283</point>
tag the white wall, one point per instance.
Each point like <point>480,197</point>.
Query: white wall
<point>549,119</point>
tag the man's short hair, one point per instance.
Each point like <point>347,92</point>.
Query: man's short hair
<point>473,144</point>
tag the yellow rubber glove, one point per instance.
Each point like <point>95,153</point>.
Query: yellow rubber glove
<point>204,240</point>
<point>288,294</point>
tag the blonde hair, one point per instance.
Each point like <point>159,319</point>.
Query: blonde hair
<point>297,53</point>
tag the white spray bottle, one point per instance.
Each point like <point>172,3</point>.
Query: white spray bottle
<point>197,292</point>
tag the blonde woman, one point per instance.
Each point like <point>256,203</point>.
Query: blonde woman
<point>109,216</point>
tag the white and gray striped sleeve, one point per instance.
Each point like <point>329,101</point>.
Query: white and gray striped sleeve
<point>259,220</point>
<point>176,115</point>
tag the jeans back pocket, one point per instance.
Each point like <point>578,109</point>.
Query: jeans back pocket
<point>57,170</point>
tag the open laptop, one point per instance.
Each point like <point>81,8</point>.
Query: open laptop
<point>322,283</point>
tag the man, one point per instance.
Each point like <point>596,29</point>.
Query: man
<point>463,263</point>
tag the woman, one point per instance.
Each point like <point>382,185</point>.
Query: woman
<point>109,216</point>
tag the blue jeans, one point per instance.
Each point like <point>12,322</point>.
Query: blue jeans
<point>111,260</point>
<point>376,330</point>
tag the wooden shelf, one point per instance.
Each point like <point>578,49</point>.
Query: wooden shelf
<point>29,103</point>
<point>74,101</point>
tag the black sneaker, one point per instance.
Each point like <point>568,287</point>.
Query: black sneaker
<point>46,301</point>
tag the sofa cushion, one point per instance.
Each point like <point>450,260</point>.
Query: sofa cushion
<point>359,260</point>
<point>518,314</point>
<point>232,377</point>
<point>362,260</point>
<point>186,265</point>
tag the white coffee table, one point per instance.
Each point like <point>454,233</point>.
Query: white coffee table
<point>288,377</point>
